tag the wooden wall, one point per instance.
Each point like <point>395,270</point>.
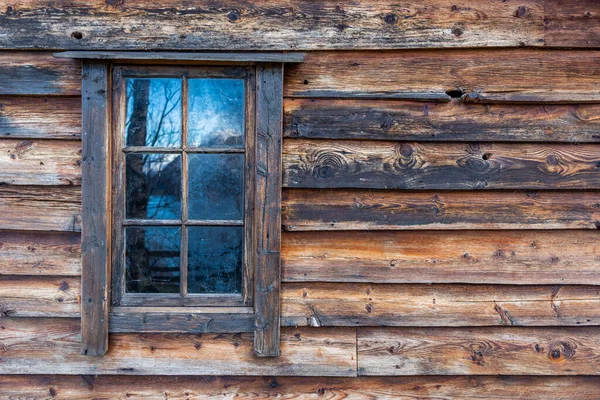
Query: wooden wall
<point>441,202</point>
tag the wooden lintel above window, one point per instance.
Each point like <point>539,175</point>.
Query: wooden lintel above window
<point>177,56</point>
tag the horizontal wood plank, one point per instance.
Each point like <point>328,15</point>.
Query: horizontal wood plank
<point>354,304</point>
<point>454,121</point>
<point>180,56</point>
<point>479,351</point>
<point>40,162</point>
<point>40,253</point>
<point>510,257</point>
<point>39,296</point>
<point>572,24</point>
<point>271,25</point>
<point>180,321</point>
<point>313,210</point>
<point>40,117</point>
<point>52,346</point>
<point>37,73</point>
<point>40,208</point>
<point>91,387</point>
<point>551,75</point>
<point>436,166</point>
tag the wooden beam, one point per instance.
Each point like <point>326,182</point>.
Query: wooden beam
<point>95,234</point>
<point>269,133</point>
<point>174,56</point>
<point>182,321</point>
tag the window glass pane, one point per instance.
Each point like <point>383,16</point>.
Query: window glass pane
<point>153,186</point>
<point>153,112</point>
<point>215,259</point>
<point>152,259</point>
<point>216,186</point>
<point>216,112</point>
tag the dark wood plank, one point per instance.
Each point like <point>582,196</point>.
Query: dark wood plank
<point>95,233</point>
<point>484,257</point>
<point>572,23</point>
<point>52,346</point>
<point>269,126</point>
<point>40,162</point>
<point>38,73</point>
<point>92,387</point>
<point>398,210</point>
<point>271,25</point>
<point>435,166</point>
<point>355,304</point>
<point>552,75</point>
<point>40,117</point>
<point>180,322</point>
<point>179,56</point>
<point>39,296</point>
<point>454,121</point>
<point>40,253</point>
<point>40,208</point>
<point>479,351</point>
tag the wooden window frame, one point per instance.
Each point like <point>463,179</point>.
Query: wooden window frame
<point>263,318</point>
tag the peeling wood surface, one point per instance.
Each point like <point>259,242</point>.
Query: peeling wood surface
<point>271,25</point>
<point>572,23</point>
<point>40,117</point>
<point>479,351</point>
<point>477,257</point>
<point>314,210</point>
<point>40,296</point>
<point>497,71</point>
<point>40,162</point>
<point>335,304</point>
<point>89,387</point>
<point>52,346</point>
<point>453,121</point>
<point>40,253</point>
<point>435,166</point>
<point>38,208</point>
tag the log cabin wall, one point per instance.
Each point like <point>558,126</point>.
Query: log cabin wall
<point>441,201</point>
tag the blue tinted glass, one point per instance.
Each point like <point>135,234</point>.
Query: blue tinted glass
<point>215,259</point>
<point>216,112</point>
<point>215,190</point>
<point>153,186</point>
<point>152,259</point>
<point>153,112</point>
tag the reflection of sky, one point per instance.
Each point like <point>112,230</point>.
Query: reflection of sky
<point>163,119</point>
<point>216,112</point>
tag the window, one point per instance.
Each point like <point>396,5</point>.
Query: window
<point>181,194</point>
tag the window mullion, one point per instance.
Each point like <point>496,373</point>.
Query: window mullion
<point>184,189</point>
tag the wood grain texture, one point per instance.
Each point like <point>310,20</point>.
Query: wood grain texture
<point>397,210</point>
<point>181,321</point>
<point>95,217</point>
<point>39,296</point>
<point>479,351</point>
<point>354,304</point>
<point>224,57</point>
<point>271,25</point>
<point>40,117</point>
<point>269,137</point>
<point>453,121</point>
<point>40,208</point>
<point>52,346</point>
<point>572,24</point>
<point>547,74</point>
<point>435,166</point>
<point>40,162</point>
<point>40,253</point>
<point>89,387</point>
<point>501,257</point>
<point>39,73</point>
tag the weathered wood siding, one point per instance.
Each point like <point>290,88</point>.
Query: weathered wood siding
<point>440,209</point>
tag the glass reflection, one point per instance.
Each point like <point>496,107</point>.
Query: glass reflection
<point>215,259</point>
<point>216,112</point>
<point>153,186</point>
<point>152,259</point>
<point>215,188</point>
<point>153,112</point>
